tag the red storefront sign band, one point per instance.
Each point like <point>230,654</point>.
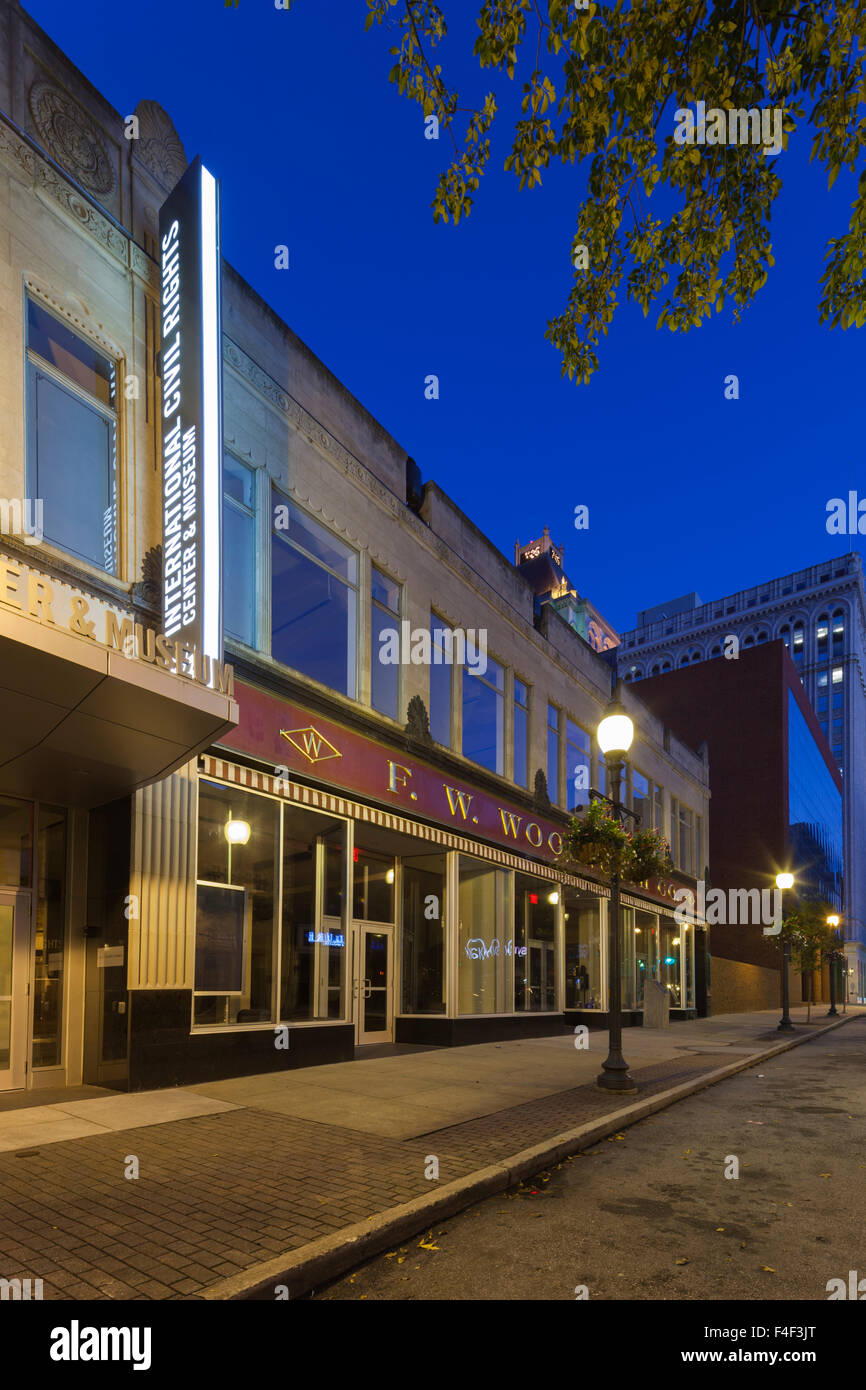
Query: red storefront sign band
<point>288,735</point>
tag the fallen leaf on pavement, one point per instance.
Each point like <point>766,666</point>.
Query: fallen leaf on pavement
<point>680,1262</point>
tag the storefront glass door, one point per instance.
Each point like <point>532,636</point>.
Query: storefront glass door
<point>374,964</point>
<point>14,942</point>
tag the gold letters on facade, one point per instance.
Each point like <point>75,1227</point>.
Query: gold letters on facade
<point>310,743</point>
<point>39,599</point>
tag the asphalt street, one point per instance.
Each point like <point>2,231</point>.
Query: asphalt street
<point>650,1214</point>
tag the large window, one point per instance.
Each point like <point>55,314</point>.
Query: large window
<point>521,732</point>
<point>373,891</point>
<point>553,753</point>
<point>236,906</point>
<point>682,837</point>
<point>313,598</point>
<point>485,939</point>
<point>239,550</point>
<point>423,969</point>
<point>313,944</point>
<point>440,684</point>
<point>600,771</point>
<point>577,765</point>
<point>483,715</point>
<point>16,842</point>
<point>72,439</point>
<point>583,958</point>
<point>814,811</point>
<point>634,957</point>
<point>384,675</point>
<point>641,792</point>
<point>534,922</point>
<point>271,925</point>
<point>50,937</point>
<point>646,952</point>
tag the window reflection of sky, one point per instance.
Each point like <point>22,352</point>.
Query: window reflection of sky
<point>814,810</point>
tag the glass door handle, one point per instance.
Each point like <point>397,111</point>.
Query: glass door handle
<point>368,989</point>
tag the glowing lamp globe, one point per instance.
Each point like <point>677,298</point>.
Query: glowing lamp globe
<point>616,730</point>
<point>237,832</point>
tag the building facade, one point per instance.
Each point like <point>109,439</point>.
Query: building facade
<point>96,701</point>
<point>820,615</point>
<point>777,805</point>
<point>344,827</point>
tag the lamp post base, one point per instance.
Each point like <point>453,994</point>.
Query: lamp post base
<point>601,1084</point>
<point>786,1026</point>
<point>615,1077</point>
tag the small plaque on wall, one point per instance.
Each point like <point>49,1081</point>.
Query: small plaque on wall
<point>107,956</point>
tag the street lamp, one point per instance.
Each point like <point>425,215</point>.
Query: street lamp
<point>615,734</point>
<point>783,881</point>
<point>832,1012</point>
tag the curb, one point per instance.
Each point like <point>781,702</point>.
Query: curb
<point>321,1261</point>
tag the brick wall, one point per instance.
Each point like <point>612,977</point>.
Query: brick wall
<point>739,987</point>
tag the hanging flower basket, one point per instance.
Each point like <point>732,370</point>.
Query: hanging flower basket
<point>598,840</point>
<point>652,856</point>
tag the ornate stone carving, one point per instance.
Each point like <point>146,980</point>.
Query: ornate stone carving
<point>148,591</point>
<point>71,137</point>
<point>418,724</point>
<point>540,799</point>
<point>159,146</point>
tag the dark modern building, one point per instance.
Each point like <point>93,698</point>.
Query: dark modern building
<point>819,613</point>
<point>777,799</point>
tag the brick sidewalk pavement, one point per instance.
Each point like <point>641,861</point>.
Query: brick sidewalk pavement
<point>219,1194</point>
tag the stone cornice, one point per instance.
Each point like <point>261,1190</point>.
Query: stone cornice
<point>49,182</point>
<point>790,606</point>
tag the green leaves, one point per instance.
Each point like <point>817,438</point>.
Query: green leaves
<point>603,88</point>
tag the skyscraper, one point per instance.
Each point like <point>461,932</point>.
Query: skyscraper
<point>820,615</point>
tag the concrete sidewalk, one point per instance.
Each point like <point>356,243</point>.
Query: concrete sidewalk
<point>293,1178</point>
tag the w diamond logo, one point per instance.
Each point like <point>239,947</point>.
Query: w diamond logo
<point>313,745</point>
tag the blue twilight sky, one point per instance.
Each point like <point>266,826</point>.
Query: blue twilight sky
<point>315,149</point>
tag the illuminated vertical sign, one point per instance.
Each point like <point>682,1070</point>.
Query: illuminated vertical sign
<point>191,423</point>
